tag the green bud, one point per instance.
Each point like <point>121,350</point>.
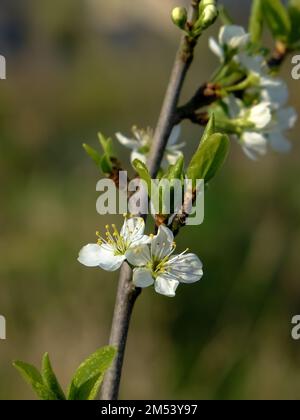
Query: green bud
<point>209,15</point>
<point>179,17</point>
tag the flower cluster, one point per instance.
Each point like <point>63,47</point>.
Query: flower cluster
<point>151,257</point>
<point>256,101</point>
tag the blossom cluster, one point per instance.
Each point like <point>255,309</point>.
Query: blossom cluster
<point>256,102</point>
<point>152,258</point>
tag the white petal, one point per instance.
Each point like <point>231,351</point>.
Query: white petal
<point>274,91</point>
<point>172,157</point>
<point>279,143</point>
<point>138,256</point>
<point>234,37</point>
<point>144,240</point>
<point>286,118</point>
<point>94,255</point>
<point>252,64</point>
<point>162,243</point>
<point>174,136</point>
<point>90,255</point>
<point>137,155</point>
<point>254,144</point>
<point>235,106</point>
<point>166,286</point>
<point>260,115</point>
<point>133,229</point>
<point>110,261</point>
<point>186,268</point>
<point>142,277</point>
<point>127,142</point>
<point>216,48</point>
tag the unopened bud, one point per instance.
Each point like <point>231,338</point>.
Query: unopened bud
<point>179,16</point>
<point>208,16</point>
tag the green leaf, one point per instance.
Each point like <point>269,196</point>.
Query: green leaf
<point>278,19</point>
<point>209,158</point>
<point>93,154</point>
<point>210,128</point>
<point>143,172</point>
<point>175,171</point>
<point>294,13</point>
<point>256,25</point>
<point>33,377</point>
<point>105,164</point>
<point>106,144</point>
<point>50,379</point>
<point>88,377</point>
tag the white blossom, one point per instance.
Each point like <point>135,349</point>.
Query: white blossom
<point>140,145</point>
<point>110,252</point>
<point>231,38</point>
<point>269,127</point>
<point>157,265</point>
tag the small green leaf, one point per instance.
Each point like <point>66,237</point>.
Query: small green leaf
<point>143,172</point>
<point>105,165</point>
<point>50,379</point>
<point>175,171</point>
<point>106,144</point>
<point>93,154</point>
<point>278,19</point>
<point>256,25</point>
<point>33,377</point>
<point>210,128</point>
<point>88,377</point>
<point>209,158</point>
<point>294,12</point>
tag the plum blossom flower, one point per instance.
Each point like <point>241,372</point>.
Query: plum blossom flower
<point>271,89</point>
<point>268,127</point>
<point>157,265</point>
<point>141,142</point>
<point>232,38</point>
<point>110,253</point>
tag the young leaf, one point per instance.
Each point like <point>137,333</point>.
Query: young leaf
<point>50,379</point>
<point>175,171</point>
<point>33,377</point>
<point>143,172</point>
<point>278,19</point>
<point>88,377</point>
<point>209,158</point>
<point>210,129</point>
<point>106,144</point>
<point>256,25</point>
<point>294,13</point>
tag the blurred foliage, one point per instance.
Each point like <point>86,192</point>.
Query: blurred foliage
<point>71,73</point>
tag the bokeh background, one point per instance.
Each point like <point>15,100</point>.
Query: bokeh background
<point>75,67</point>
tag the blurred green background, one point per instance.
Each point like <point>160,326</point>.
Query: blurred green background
<point>75,67</point>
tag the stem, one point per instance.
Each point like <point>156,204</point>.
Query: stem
<point>127,293</point>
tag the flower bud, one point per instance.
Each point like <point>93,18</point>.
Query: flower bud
<point>179,16</point>
<point>210,14</point>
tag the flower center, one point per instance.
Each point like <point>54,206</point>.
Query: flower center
<point>113,239</point>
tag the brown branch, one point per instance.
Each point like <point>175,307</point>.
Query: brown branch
<point>205,96</point>
<point>127,294</point>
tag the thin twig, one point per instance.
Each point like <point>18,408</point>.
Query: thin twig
<point>127,294</point>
